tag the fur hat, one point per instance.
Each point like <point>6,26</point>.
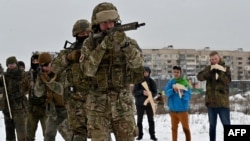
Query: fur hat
<point>11,60</point>
<point>44,57</point>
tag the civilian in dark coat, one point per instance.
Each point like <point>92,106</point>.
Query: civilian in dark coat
<point>140,96</point>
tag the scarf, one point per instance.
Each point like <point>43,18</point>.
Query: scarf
<point>183,81</point>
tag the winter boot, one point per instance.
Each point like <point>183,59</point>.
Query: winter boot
<point>139,137</point>
<point>154,138</point>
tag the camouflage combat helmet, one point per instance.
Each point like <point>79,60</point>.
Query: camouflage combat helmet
<point>80,26</point>
<point>103,12</point>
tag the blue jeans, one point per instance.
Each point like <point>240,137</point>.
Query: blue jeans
<point>224,114</point>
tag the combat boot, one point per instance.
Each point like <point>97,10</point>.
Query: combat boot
<point>154,138</point>
<point>139,138</point>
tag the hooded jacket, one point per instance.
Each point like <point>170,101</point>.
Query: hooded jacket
<point>138,89</point>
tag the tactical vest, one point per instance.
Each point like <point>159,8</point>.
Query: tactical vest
<point>113,71</point>
<point>74,77</point>
<point>56,98</point>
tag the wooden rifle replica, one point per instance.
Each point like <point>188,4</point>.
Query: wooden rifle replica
<point>180,87</point>
<point>150,97</point>
<point>7,97</point>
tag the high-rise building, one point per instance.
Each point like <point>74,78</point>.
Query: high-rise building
<point>161,62</point>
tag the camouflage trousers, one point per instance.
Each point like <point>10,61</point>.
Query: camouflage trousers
<point>53,124</point>
<point>65,131</point>
<point>77,118</point>
<point>36,113</point>
<point>17,123</point>
<point>111,109</point>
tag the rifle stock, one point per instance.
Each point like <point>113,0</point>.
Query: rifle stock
<point>66,43</point>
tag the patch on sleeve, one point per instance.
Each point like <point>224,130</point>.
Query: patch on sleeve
<point>81,58</point>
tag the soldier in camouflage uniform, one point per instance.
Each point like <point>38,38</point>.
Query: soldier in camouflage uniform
<point>21,65</point>
<point>47,84</point>
<point>76,86</point>
<point>36,104</point>
<point>111,62</point>
<point>17,85</point>
<point>217,77</point>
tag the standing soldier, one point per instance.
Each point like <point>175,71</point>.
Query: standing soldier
<point>75,85</point>
<point>111,62</point>
<point>36,104</point>
<point>21,65</point>
<point>47,84</point>
<point>16,85</point>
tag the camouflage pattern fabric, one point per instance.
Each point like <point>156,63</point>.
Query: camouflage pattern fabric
<point>77,112</point>
<point>217,91</point>
<point>53,124</point>
<point>75,91</point>
<point>111,67</point>
<point>37,111</point>
<point>113,109</point>
<point>65,131</point>
<point>17,123</point>
<point>2,99</point>
<point>55,106</point>
<point>36,114</point>
<point>17,85</point>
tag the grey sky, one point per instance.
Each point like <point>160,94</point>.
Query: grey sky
<point>44,25</point>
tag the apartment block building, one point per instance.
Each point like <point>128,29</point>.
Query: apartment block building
<point>192,61</point>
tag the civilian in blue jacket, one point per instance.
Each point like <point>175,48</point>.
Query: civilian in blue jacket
<point>179,94</point>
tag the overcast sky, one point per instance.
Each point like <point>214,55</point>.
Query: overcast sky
<point>44,25</point>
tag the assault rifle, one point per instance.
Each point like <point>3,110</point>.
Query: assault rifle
<point>118,27</point>
<point>66,45</point>
<point>72,46</point>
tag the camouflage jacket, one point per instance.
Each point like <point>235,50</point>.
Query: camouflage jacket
<point>217,90</point>
<point>70,72</point>
<point>17,84</point>
<point>47,85</point>
<point>33,99</point>
<point>115,66</point>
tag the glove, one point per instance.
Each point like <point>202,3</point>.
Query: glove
<point>44,77</point>
<point>107,43</point>
<point>74,55</point>
<point>119,37</point>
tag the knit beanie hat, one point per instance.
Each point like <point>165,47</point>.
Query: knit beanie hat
<point>44,57</point>
<point>21,63</point>
<point>11,60</point>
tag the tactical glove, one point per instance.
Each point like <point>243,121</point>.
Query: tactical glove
<point>44,77</point>
<point>119,38</point>
<point>107,43</point>
<point>74,55</point>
